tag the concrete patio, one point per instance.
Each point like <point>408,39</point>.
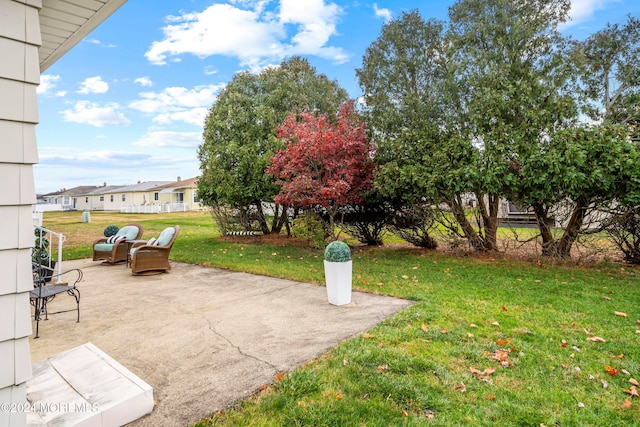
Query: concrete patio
<point>202,337</point>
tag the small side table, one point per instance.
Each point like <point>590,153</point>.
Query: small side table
<point>130,244</point>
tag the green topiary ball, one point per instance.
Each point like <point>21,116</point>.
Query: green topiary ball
<point>337,252</point>
<point>110,230</point>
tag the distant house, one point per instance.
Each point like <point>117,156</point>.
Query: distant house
<point>64,199</point>
<point>137,194</point>
<point>181,195</point>
<point>94,199</point>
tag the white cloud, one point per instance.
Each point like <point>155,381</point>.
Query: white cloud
<point>93,85</point>
<point>144,81</point>
<point>178,104</point>
<point>94,114</point>
<point>194,116</point>
<point>47,83</point>
<point>583,10</point>
<point>383,13</point>
<point>245,30</point>
<point>210,70</point>
<point>170,139</point>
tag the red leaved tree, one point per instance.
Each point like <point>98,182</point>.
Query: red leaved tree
<point>324,163</point>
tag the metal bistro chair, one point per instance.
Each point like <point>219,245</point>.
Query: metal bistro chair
<point>43,292</point>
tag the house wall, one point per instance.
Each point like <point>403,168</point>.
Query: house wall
<point>19,77</point>
<point>188,195</point>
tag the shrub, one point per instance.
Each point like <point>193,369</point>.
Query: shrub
<point>413,224</point>
<point>337,251</point>
<point>110,230</point>
<point>367,223</point>
<point>310,227</point>
<point>624,230</point>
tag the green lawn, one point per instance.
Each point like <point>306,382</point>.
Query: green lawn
<point>488,342</point>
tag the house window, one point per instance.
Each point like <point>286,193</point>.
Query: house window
<point>86,199</point>
<point>102,198</point>
<point>156,196</point>
<point>179,197</point>
<point>111,198</point>
<point>124,197</point>
<point>196,199</point>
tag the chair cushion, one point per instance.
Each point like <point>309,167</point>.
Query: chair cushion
<point>166,236</point>
<point>103,247</point>
<point>130,232</point>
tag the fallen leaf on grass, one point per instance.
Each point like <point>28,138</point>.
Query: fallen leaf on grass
<point>461,388</point>
<point>620,313</point>
<point>491,397</point>
<point>634,382</point>
<point>443,331</point>
<point>611,371</point>
<point>280,376</point>
<point>504,308</point>
<point>607,298</point>
<point>501,356</point>
<point>484,373</point>
<point>338,396</point>
<point>633,391</point>
<point>405,413</point>
<point>563,343</point>
<point>424,328</point>
<point>367,336</point>
<point>473,325</point>
<point>495,323</point>
<point>620,356</point>
<point>580,405</point>
<point>383,368</point>
<point>596,339</point>
<point>605,384</point>
<point>627,404</point>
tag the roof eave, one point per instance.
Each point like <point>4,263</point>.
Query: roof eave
<point>89,25</point>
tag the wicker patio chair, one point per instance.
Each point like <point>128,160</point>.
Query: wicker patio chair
<point>152,256</point>
<point>116,252</point>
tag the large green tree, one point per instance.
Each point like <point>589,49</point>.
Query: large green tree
<point>611,79</point>
<point>240,131</point>
<point>520,75</point>
<point>412,105</point>
<point>576,174</point>
<point>454,108</point>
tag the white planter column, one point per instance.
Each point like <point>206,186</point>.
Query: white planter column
<point>338,281</point>
<point>19,77</point>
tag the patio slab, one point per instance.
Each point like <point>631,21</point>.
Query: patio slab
<point>202,337</point>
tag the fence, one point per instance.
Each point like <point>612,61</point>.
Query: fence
<point>44,245</point>
<point>166,207</point>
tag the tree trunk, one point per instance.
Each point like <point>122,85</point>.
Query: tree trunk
<point>457,208</point>
<point>542,218</point>
<point>561,248</point>
<point>490,220</point>
<point>280,220</point>
<point>263,221</point>
<point>572,230</point>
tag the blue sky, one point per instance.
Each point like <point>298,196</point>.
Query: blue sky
<point>128,103</point>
